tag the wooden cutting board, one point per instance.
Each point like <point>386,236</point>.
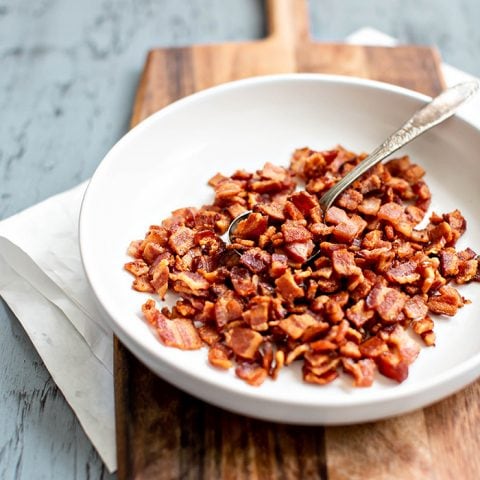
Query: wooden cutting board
<point>163,433</point>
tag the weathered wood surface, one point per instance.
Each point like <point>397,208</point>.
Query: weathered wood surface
<point>165,433</point>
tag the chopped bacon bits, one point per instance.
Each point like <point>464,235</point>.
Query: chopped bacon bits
<point>373,289</point>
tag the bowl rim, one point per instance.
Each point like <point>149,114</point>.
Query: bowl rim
<point>469,368</point>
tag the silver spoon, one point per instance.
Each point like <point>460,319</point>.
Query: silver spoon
<point>435,112</point>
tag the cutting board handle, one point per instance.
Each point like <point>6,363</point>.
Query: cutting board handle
<point>288,21</point>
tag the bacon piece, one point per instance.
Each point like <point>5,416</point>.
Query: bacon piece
<point>314,165</point>
<point>226,310</point>
<point>279,265</point>
<point>151,251</point>
<point>369,206</point>
<point>323,345</point>
<point>457,223</point>
<point>256,259</point>
<point>391,212</point>
<point>189,282</point>
<point>295,232</point>
<point>159,278</point>
<point>373,347</point>
<point>304,201</point>
<point>296,325</point>
<point>359,314</point>
<point>274,172</point>
<point>403,273</point>
<point>299,251</point>
<point>242,281</point>
<point>244,342</point>
<point>135,249</point>
<point>346,228</point>
<point>362,371</point>
<point>296,353</point>
<point>137,267</point>
<point>387,302</point>
<point>351,350</point>
<point>407,348</point>
<point>392,366</point>
<point>447,302</point>
<point>415,307</point>
<point>227,190</point>
<point>343,263</point>
<point>327,377</point>
<point>142,284</point>
<point>217,179</point>
<point>253,374</point>
<point>218,356</point>
<point>449,262</point>
<point>179,332</point>
<point>209,334</point>
<point>257,314</point>
<point>252,227</point>
<point>182,240</point>
<point>350,199</point>
<point>288,288</point>
<point>273,210</point>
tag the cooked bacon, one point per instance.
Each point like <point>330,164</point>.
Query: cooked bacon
<point>219,357</point>
<point>179,333</point>
<point>295,232</point>
<point>415,307</point>
<point>256,260</point>
<point>296,325</point>
<point>407,348</point>
<point>142,284</point>
<point>343,263</point>
<point>449,262</point>
<point>457,223</point>
<point>387,302</point>
<point>226,310</point>
<point>257,314</point>
<point>359,314</point>
<point>242,281</point>
<point>159,278</point>
<point>392,366</point>
<point>189,282</point>
<point>369,206</point>
<point>135,249</point>
<point>362,371</point>
<point>304,201</point>
<point>447,302</point>
<point>252,227</point>
<point>261,303</point>
<point>279,265</point>
<point>288,288</point>
<point>137,267</point>
<point>182,240</point>
<point>273,210</point>
<point>244,342</point>
<point>296,353</point>
<point>253,374</point>
<point>299,251</point>
<point>403,273</point>
<point>350,199</point>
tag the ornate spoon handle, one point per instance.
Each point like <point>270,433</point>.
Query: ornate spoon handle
<point>435,112</point>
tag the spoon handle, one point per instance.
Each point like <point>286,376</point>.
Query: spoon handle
<point>435,112</point>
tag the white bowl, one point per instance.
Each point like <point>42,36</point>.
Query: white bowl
<point>164,163</point>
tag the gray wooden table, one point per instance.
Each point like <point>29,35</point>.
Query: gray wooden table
<point>68,72</point>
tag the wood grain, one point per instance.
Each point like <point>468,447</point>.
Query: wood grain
<point>165,433</point>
